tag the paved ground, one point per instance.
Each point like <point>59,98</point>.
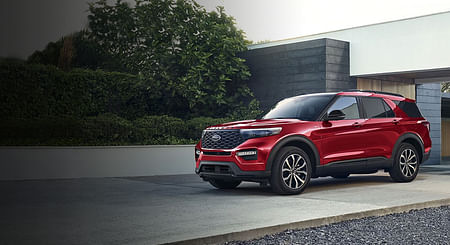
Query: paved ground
<point>152,210</point>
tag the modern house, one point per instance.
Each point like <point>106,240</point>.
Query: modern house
<point>410,57</point>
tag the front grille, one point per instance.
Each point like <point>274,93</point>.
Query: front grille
<point>217,169</point>
<point>229,139</point>
<point>217,153</point>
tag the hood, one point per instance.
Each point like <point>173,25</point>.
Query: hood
<point>260,123</point>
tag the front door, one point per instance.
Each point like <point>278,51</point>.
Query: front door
<point>343,140</point>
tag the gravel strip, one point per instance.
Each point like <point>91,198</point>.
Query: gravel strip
<point>425,226</point>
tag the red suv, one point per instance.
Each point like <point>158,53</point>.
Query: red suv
<point>316,135</point>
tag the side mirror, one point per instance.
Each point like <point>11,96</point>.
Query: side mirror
<point>335,115</point>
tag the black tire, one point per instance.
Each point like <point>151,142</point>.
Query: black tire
<point>406,164</point>
<point>224,184</point>
<point>340,176</point>
<point>294,179</point>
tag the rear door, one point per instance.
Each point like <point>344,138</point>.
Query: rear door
<point>381,127</point>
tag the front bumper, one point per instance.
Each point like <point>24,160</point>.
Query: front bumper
<point>225,163</point>
<point>228,170</point>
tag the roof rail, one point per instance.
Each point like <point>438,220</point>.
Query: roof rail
<point>374,91</point>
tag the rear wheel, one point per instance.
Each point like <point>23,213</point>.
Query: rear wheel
<point>224,184</point>
<point>291,171</point>
<point>406,164</point>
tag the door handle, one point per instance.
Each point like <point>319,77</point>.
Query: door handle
<point>395,121</point>
<point>356,124</point>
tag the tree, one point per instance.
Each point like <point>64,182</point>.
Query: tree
<point>188,54</point>
<point>445,87</point>
<point>76,50</point>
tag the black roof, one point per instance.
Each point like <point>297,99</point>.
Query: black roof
<point>375,92</point>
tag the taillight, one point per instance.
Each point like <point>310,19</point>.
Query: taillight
<point>426,123</point>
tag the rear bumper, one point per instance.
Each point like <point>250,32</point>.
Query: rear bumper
<point>426,155</point>
<point>228,170</point>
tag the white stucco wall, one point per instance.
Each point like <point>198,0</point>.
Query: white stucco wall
<point>420,43</point>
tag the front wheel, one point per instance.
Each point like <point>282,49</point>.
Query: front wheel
<point>224,184</point>
<point>406,164</point>
<point>291,171</point>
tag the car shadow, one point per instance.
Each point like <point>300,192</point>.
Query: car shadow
<point>315,185</point>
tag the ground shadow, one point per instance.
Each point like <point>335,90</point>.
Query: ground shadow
<point>250,188</point>
<point>315,185</point>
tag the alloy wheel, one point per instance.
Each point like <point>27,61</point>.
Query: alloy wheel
<point>408,162</point>
<point>294,171</point>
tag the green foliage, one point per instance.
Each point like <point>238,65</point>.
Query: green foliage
<point>104,129</point>
<point>99,86</point>
<point>445,87</point>
<point>157,127</point>
<point>188,53</point>
<point>249,112</point>
<point>43,105</point>
<point>86,54</point>
<point>107,127</point>
<point>38,91</point>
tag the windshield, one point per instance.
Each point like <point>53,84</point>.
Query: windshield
<point>306,108</point>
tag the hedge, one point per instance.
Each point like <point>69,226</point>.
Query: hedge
<point>43,105</point>
<point>104,129</point>
<point>43,91</point>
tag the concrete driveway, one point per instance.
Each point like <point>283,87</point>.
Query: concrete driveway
<point>153,210</point>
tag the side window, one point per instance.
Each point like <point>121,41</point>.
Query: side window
<point>348,105</point>
<point>376,108</point>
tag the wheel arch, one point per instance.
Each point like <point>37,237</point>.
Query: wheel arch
<point>412,139</point>
<point>298,141</point>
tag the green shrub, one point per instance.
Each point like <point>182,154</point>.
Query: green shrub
<point>196,125</point>
<point>160,129</point>
<point>43,105</point>
<point>39,91</point>
<point>108,128</point>
<point>43,131</point>
<point>104,129</point>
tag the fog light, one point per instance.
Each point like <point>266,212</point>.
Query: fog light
<point>248,154</point>
<point>245,153</point>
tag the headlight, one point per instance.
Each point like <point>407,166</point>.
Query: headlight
<point>203,133</point>
<point>260,132</point>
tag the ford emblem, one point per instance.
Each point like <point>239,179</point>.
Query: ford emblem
<point>216,137</point>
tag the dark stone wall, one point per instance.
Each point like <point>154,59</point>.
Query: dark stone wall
<point>292,69</point>
<point>338,66</point>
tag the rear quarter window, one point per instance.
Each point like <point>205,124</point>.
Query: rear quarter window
<point>409,108</point>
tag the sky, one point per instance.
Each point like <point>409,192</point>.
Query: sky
<point>28,25</point>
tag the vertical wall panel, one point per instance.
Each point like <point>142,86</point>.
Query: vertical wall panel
<point>368,84</point>
<point>429,103</point>
<point>406,89</point>
<point>445,128</point>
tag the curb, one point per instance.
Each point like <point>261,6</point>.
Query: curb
<point>260,232</point>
